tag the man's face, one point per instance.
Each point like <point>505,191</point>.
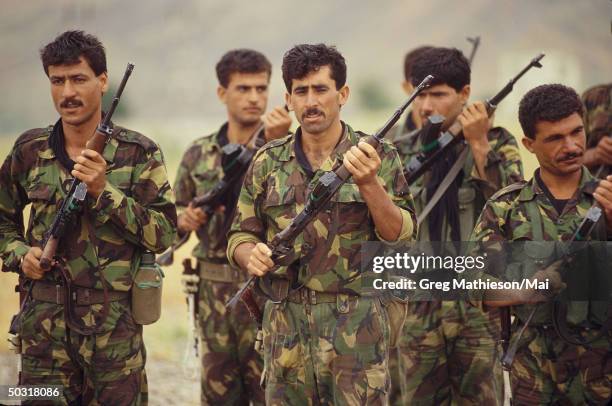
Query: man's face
<point>315,100</point>
<point>77,91</point>
<point>559,146</point>
<point>245,97</point>
<point>441,99</point>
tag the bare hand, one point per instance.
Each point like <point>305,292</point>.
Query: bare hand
<point>552,277</point>
<point>260,261</point>
<point>31,264</point>
<point>90,168</point>
<point>192,218</point>
<point>363,162</point>
<point>277,123</point>
<point>603,195</point>
<point>476,124</point>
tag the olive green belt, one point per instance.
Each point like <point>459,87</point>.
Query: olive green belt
<point>51,293</point>
<point>220,272</point>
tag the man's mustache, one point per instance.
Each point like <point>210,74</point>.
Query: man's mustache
<point>569,155</point>
<point>69,102</point>
<point>312,112</point>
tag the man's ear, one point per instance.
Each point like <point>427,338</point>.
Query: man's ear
<point>528,143</point>
<point>343,95</point>
<point>104,81</point>
<point>222,94</point>
<point>407,86</point>
<point>464,94</point>
<point>288,101</point>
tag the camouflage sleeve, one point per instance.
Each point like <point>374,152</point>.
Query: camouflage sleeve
<point>148,216</point>
<point>184,188</point>
<point>503,165</point>
<point>487,237</point>
<point>247,226</point>
<point>13,199</point>
<point>391,175</point>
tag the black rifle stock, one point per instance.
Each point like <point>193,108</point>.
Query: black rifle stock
<point>77,193</point>
<point>454,134</point>
<point>281,244</point>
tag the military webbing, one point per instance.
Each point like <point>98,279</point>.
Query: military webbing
<point>533,211</point>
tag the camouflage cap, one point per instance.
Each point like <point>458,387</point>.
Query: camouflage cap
<point>598,112</point>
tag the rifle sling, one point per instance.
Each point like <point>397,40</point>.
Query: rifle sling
<point>444,185</point>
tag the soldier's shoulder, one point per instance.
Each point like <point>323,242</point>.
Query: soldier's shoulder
<point>134,137</point>
<point>500,134</point>
<point>33,134</point>
<point>277,145</point>
<point>509,192</point>
<point>597,95</point>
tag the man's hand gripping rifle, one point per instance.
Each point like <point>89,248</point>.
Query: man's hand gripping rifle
<point>282,243</point>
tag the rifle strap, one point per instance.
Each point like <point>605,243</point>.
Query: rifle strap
<point>508,357</point>
<point>69,313</point>
<point>563,330</point>
<point>444,185</point>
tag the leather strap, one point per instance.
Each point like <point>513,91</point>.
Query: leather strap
<point>446,182</point>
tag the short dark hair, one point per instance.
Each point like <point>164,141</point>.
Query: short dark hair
<point>241,61</point>
<point>448,66</point>
<point>303,59</point>
<point>547,103</point>
<point>412,56</point>
<point>68,47</point>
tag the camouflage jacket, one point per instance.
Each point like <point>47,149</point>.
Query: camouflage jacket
<point>134,212</point>
<point>598,118</point>
<point>503,166</point>
<point>274,192</point>
<point>200,170</point>
<point>508,217</point>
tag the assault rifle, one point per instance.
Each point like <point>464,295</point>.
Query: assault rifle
<point>239,158</point>
<point>571,247</point>
<point>73,203</point>
<point>451,137</point>
<point>329,183</point>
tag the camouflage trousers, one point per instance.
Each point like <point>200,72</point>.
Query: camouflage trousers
<point>448,353</point>
<point>547,370</point>
<point>326,353</point>
<point>101,369</point>
<point>231,368</point>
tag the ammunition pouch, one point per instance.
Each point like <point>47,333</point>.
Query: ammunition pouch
<point>220,272</point>
<point>147,290</point>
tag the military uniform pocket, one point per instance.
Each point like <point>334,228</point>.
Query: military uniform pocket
<point>284,358</point>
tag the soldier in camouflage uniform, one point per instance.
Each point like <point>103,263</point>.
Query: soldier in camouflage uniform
<point>448,350</point>
<point>326,339</point>
<point>598,125</point>
<point>129,208</point>
<point>546,369</point>
<point>231,368</point>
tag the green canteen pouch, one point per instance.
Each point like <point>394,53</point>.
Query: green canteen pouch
<point>147,291</point>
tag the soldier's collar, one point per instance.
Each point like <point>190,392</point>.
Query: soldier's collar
<point>348,139</point>
<point>110,149</point>
<point>586,185</point>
